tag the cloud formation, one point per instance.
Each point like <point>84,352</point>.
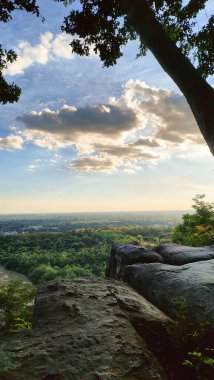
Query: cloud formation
<point>11,142</point>
<point>170,114</point>
<point>146,142</point>
<point>142,126</point>
<point>38,162</point>
<point>50,47</point>
<point>125,151</point>
<point>69,122</point>
<point>93,164</point>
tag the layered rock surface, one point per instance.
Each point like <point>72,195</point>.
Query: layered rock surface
<point>177,254</point>
<point>93,329</point>
<point>90,329</point>
<point>162,284</point>
<point>126,254</point>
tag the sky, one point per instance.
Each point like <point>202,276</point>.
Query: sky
<point>87,138</point>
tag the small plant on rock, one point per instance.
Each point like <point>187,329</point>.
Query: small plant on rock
<point>16,300</point>
<point>195,343</point>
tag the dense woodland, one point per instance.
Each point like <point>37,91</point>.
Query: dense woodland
<point>80,252</point>
<point>42,253</point>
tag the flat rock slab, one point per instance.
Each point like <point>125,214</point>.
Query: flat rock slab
<point>88,329</point>
<point>176,254</point>
<point>163,284</point>
<point>127,254</point>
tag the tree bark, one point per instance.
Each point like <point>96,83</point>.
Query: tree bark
<point>198,93</point>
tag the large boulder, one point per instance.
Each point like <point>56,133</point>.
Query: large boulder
<point>127,254</point>
<point>163,284</point>
<point>89,329</point>
<point>177,254</point>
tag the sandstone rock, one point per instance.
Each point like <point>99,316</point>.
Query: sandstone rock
<point>177,254</point>
<point>89,329</point>
<point>161,284</point>
<point>127,254</point>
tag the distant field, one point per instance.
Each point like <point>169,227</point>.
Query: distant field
<point>65,222</point>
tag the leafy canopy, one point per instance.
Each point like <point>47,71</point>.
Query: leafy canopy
<point>197,229</point>
<point>16,304</point>
<point>104,25</point>
<point>10,92</point>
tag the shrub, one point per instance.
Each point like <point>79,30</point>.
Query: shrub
<point>196,229</point>
<point>16,300</point>
<point>195,343</point>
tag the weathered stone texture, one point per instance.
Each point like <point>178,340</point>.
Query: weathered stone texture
<point>163,284</point>
<point>177,254</point>
<point>126,254</point>
<point>90,329</point>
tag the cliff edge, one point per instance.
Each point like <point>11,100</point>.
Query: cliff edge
<point>102,329</point>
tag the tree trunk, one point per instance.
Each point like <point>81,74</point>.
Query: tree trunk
<point>198,93</point>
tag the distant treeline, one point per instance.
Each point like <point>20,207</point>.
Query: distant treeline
<point>65,222</point>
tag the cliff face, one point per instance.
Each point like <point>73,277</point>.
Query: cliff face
<point>90,329</point>
<point>101,329</point>
<point>189,276</point>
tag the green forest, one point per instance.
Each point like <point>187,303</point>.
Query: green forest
<point>76,252</point>
<point>79,252</point>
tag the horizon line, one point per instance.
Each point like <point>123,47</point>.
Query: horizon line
<point>91,212</point>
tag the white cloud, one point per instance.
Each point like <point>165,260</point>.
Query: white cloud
<point>32,167</point>
<point>142,126</point>
<point>29,54</point>
<point>60,47</point>
<point>170,114</point>
<point>38,163</point>
<point>11,142</point>
<point>50,47</point>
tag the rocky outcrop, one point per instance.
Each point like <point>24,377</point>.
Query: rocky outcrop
<point>97,329</point>
<point>177,254</point>
<point>163,284</point>
<point>90,329</point>
<point>126,254</point>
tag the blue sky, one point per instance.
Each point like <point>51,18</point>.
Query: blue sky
<point>87,138</point>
